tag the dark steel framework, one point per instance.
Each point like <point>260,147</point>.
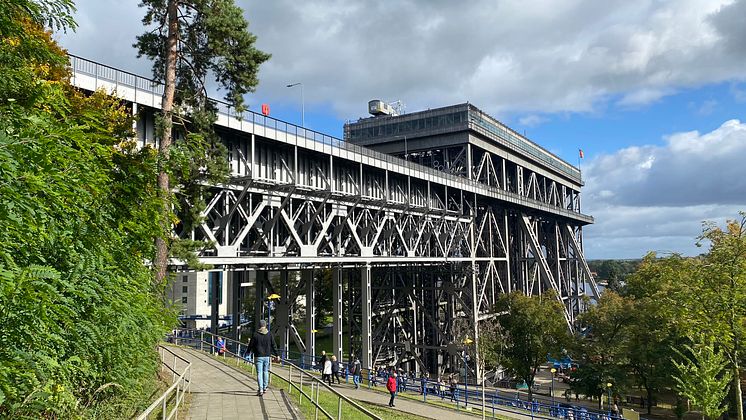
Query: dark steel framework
<point>414,247</point>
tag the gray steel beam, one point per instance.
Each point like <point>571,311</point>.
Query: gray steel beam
<point>367,338</point>
<point>310,314</point>
<point>337,295</point>
<point>282,323</point>
<point>260,285</point>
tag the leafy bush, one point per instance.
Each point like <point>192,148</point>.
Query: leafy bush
<point>79,315</point>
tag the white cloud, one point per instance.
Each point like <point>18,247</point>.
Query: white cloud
<point>656,197</point>
<point>504,56</point>
<point>532,120</point>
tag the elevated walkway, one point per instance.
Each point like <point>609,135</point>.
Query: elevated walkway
<point>221,392</point>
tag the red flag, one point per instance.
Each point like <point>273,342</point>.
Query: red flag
<point>580,153</point>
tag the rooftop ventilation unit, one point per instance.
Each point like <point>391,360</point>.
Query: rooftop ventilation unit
<point>378,107</point>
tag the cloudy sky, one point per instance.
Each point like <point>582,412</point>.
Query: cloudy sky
<point>653,91</point>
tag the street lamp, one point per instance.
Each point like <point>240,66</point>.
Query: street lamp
<point>465,357</point>
<point>608,386</point>
<point>553,370</point>
<point>302,103</point>
<point>270,298</point>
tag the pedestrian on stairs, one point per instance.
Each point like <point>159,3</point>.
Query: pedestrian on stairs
<point>391,386</point>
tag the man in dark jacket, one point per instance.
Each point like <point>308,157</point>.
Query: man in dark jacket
<point>263,346</point>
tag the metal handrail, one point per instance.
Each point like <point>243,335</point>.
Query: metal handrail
<point>123,78</point>
<point>291,366</point>
<point>181,385</point>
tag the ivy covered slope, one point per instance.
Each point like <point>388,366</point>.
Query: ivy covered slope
<point>79,317</point>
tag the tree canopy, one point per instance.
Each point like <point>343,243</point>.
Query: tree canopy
<point>532,327</point>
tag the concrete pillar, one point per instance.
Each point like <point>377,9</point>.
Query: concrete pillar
<point>310,316</point>
<point>337,274</point>
<point>367,338</point>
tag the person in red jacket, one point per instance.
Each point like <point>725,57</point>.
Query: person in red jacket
<point>391,386</point>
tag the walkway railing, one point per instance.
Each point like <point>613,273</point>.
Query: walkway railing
<point>177,390</point>
<point>205,341</point>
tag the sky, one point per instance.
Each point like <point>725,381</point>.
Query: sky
<point>653,91</point>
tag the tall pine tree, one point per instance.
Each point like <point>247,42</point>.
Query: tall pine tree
<point>189,41</point>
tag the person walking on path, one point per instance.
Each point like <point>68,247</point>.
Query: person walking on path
<point>263,346</point>
<point>335,369</point>
<point>391,386</point>
<point>326,373</point>
<point>322,360</point>
<point>356,370</point>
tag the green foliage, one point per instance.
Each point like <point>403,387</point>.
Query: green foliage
<point>600,347</point>
<point>214,38</point>
<point>324,300</point>
<point>702,376</point>
<point>711,299</point>
<point>614,272</point>
<point>77,215</point>
<point>532,327</point>
<point>653,331</point>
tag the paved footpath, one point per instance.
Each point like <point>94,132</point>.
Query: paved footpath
<point>222,392</point>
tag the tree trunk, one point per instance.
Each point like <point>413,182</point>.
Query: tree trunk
<point>650,398</point>
<point>161,247</point>
<point>737,388</point>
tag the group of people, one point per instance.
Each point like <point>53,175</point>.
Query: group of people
<point>331,368</point>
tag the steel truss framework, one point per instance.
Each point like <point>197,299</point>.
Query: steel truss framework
<point>412,250</point>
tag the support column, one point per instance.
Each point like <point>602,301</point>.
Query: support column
<point>259,300</point>
<point>236,278</point>
<point>337,311</point>
<point>213,280</point>
<point>475,320</point>
<point>310,316</point>
<point>283,314</point>
<point>367,338</point>
<point>469,162</point>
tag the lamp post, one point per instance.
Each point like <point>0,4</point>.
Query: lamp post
<point>608,398</point>
<point>302,103</point>
<point>553,370</point>
<point>270,298</point>
<point>465,357</point>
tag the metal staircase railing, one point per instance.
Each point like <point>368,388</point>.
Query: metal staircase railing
<point>180,386</point>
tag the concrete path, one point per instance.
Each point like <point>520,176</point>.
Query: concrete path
<point>221,392</point>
